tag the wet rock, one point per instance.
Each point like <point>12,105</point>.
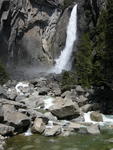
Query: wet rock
<point>23,88</point>
<point>83,130</point>
<point>66,133</point>
<point>6,130</point>
<point>93,129</point>
<point>64,108</point>
<point>1,147</point>
<point>75,126</point>
<point>96,116</point>
<point>38,126</point>
<point>53,131</point>
<point>59,39</point>
<point>110,140</point>
<point>78,119</point>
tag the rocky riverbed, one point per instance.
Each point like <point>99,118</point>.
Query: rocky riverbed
<point>39,106</point>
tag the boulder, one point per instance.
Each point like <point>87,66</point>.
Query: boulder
<point>93,129</point>
<point>66,133</point>
<point>90,107</point>
<point>55,89</point>
<point>6,130</point>
<point>2,142</point>
<point>1,114</point>
<point>19,98</point>
<point>64,108</point>
<point>50,116</point>
<point>70,95</point>
<point>34,101</point>
<point>53,131</point>
<point>78,119</point>
<point>110,140</point>
<point>43,90</point>
<point>38,126</point>
<point>83,130</point>
<point>18,120</point>
<point>34,114</point>
<point>96,116</point>
<point>75,126</point>
<point>16,104</point>
<point>79,89</point>
<point>86,108</point>
<point>11,93</point>
<point>2,92</point>
<point>6,108</point>
<point>81,100</point>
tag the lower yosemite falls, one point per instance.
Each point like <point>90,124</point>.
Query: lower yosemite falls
<point>56,74</point>
<point>64,61</point>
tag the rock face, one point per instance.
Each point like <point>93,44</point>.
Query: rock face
<point>27,29</point>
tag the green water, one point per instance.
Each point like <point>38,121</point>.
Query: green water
<point>75,142</point>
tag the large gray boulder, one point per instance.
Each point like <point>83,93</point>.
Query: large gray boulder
<point>18,120</point>
<point>38,126</point>
<point>93,129</point>
<point>53,131</point>
<point>64,108</point>
<point>6,130</point>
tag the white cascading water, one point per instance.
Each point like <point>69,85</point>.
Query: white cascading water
<point>107,119</point>
<point>63,62</point>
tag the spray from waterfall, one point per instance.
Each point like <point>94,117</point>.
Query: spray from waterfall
<point>64,60</point>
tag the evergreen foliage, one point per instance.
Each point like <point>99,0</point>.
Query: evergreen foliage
<point>91,55</point>
<point>68,80</point>
<point>84,60</point>
<point>108,65</point>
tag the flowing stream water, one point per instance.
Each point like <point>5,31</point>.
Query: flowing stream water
<point>64,60</point>
<point>103,141</point>
<point>74,142</point>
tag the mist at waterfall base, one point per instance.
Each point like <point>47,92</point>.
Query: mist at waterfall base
<point>64,61</point>
<point>27,72</point>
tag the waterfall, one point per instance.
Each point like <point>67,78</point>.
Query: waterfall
<point>64,60</point>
